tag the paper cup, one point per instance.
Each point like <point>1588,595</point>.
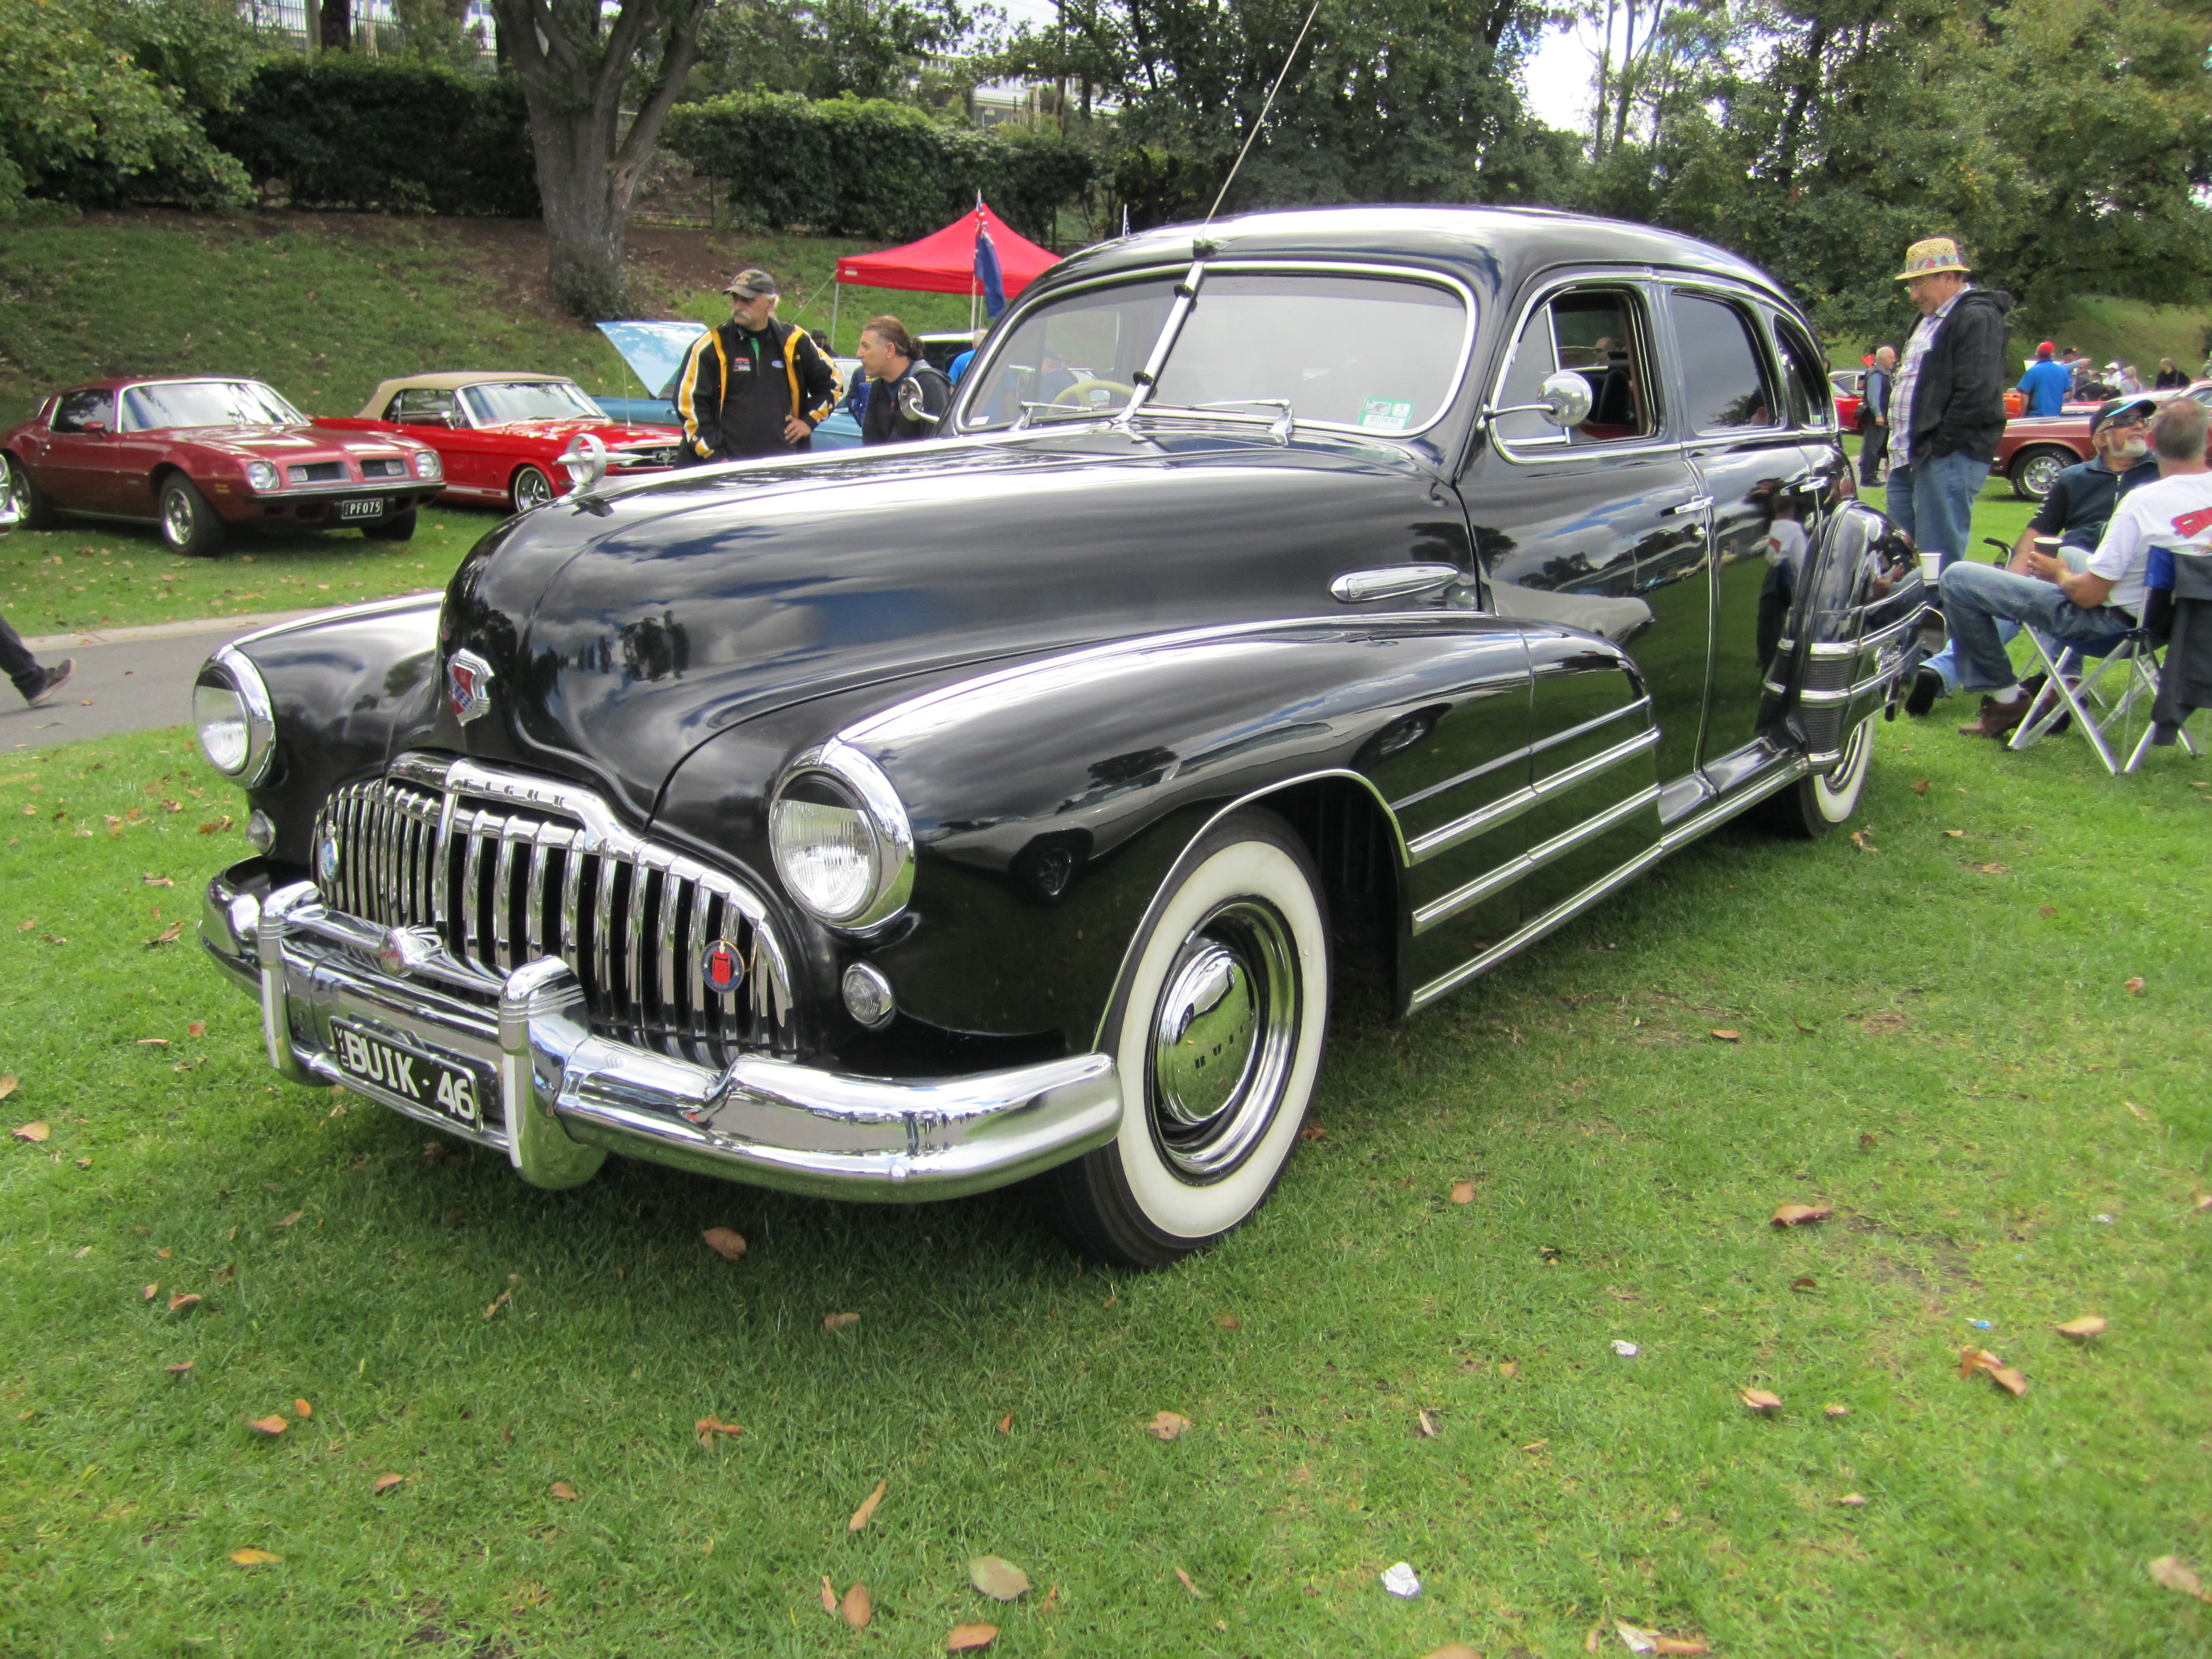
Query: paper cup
<point>1931,568</point>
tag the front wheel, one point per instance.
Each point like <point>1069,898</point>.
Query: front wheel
<point>34,510</point>
<point>189,525</point>
<point>1218,1042</point>
<point>392,527</point>
<point>1812,806</point>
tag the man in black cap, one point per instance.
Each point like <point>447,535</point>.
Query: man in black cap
<point>753,386</point>
<point>2076,511</point>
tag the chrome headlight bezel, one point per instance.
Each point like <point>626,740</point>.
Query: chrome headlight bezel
<point>230,670</point>
<point>262,476</point>
<point>428,466</point>
<point>852,773</point>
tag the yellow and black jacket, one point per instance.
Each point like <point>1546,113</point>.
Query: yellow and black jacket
<point>738,388</point>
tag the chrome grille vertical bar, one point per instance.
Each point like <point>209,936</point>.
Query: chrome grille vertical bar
<point>603,937</point>
<point>470,825</point>
<point>355,854</point>
<point>672,970</point>
<point>571,882</point>
<point>385,816</point>
<point>534,910</point>
<point>702,899</point>
<point>502,898</point>
<point>442,873</point>
<point>640,897</point>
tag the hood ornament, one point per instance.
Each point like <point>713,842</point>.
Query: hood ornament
<point>468,686</point>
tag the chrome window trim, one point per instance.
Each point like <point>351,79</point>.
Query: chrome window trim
<point>1249,265</point>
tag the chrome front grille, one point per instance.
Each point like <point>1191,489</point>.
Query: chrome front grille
<point>506,868</point>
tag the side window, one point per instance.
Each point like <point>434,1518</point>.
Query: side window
<point>1599,333</point>
<point>76,408</point>
<point>423,406</point>
<point>1806,374</point>
<point>1721,373</point>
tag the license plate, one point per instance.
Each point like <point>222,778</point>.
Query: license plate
<point>372,507</point>
<point>438,1082</point>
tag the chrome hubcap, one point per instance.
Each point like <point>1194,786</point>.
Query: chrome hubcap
<point>2041,474</point>
<point>177,519</point>
<point>1223,1035</point>
<point>532,490</point>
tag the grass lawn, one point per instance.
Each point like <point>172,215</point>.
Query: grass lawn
<point>1937,1036</point>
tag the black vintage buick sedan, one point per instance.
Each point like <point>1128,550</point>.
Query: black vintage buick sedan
<point>1305,597</point>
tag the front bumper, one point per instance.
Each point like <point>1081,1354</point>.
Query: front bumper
<point>566,1098</point>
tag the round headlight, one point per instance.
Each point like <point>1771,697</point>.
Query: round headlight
<point>427,464</point>
<point>840,839</point>
<point>237,723</point>
<point>261,475</point>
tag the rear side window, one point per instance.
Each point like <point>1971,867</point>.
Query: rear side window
<point>424,406</point>
<point>1599,333</point>
<point>1722,375</point>
<point>1805,376</point>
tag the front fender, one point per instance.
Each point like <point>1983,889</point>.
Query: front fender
<point>1050,801</point>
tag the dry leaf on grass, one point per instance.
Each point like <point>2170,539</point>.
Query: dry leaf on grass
<point>167,936</point>
<point>829,1596</point>
<point>998,1579</point>
<point>1835,1411</point>
<point>839,1322</point>
<point>1651,1641</point>
<point>1424,1423</point>
<point>867,1512</point>
<point>292,1217</point>
<point>1167,1425</point>
<point>302,1408</point>
<point>2133,987</point>
<point>271,1425</point>
<point>1981,1360</point>
<point>1859,840</point>
<point>1187,1585</point>
<point>1454,1651</point>
<point>969,1638</point>
<point>2168,1571</point>
<point>1006,1424</point>
<point>1463,1192</point>
<point>1729,1036</point>
<point>1804,1284</point>
<point>183,1302</point>
<point>564,1491</point>
<point>148,1293</point>
<point>1852,1500</point>
<point>384,1483</point>
<point>33,1132</point>
<point>179,1369</point>
<point>1867,1142</point>
<point>1921,787</point>
<point>1508,1368</point>
<point>2086,1325</point>
<point>1796,1215</point>
<point>1956,834</point>
<point>1760,1400</point>
<point>724,1242</point>
<point>1312,1132</point>
<point>2202,1202</point>
<point>254,1557</point>
<point>8,1085</point>
<point>1230,1322</point>
<point>856,1607</point>
<point>708,1427</point>
<point>197,1028</point>
<point>499,1301</point>
<point>1994,869</point>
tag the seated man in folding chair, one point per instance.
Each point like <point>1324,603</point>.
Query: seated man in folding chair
<point>2069,607</point>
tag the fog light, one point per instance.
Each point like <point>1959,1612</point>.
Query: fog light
<point>260,831</point>
<point>868,996</point>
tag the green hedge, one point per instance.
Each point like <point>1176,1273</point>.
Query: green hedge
<point>874,169</point>
<point>401,138</point>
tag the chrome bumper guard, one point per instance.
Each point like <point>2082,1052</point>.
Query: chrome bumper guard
<point>567,1097</point>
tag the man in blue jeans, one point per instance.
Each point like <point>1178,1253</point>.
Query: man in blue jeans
<point>1947,410</point>
<point>2067,606</point>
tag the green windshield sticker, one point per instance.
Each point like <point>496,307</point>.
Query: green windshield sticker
<point>1385,415</point>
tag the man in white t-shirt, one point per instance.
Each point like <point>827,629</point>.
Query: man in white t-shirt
<point>2066,605</point>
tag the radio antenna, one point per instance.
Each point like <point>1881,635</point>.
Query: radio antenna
<point>1268,103</point>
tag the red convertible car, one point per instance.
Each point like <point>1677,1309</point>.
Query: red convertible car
<point>196,455</point>
<point>2033,452</point>
<point>500,436</point>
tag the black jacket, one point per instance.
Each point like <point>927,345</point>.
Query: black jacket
<point>884,422</point>
<point>738,388</point>
<point>1957,399</point>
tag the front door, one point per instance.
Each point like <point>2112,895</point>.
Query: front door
<point>74,465</point>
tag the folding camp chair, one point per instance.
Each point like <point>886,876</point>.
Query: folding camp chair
<point>2113,682</point>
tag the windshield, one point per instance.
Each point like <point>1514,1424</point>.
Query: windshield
<point>1373,354</point>
<point>205,402</point>
<point>494,401</point>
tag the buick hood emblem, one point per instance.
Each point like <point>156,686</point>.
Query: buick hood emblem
<point>468,686</point>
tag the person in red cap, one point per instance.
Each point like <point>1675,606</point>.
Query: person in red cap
<point>2046,382</point>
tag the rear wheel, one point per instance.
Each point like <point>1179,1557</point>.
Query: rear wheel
<point>530,489</point>
<point>392,527</point>
<point>189,525</point>
<point>1814,805</point>
<point>1218,1045</point>
<point>2033,471</point>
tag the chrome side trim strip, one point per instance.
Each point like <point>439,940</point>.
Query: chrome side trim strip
<point>1509,807</point>
<point>1522,753</point>
<point>1444,909</point>
<point>1567,910</point>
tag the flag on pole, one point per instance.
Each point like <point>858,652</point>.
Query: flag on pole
<point>989,279</point>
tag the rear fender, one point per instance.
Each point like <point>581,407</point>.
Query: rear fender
<point>1854,631</point>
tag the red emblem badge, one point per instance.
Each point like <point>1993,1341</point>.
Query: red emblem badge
<point>468,686</point>
<point>721,967</point>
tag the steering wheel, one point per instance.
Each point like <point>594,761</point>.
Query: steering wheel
<point>1077,395</point>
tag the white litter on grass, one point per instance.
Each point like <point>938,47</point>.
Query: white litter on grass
<point>1401,1581</point>
<point>1626,1350</point>
<point>2105,1219</point>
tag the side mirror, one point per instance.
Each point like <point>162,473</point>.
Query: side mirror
<point>910,403</point>
<point>94,429</point>
<point>1563,400</point>
<point>585,460</point>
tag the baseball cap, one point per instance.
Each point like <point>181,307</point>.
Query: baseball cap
<point>2046,349</point>
<point>752,284</point>
<point>2118,409</point>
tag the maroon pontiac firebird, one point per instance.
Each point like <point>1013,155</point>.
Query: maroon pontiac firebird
<point>196,455</point>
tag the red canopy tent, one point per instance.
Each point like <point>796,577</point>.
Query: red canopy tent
<point>944,261</point>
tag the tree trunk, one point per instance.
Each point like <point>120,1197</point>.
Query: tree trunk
<point>337,25</point>
<point>574,67</point>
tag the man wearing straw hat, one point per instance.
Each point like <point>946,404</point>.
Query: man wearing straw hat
<point>1947,410</point>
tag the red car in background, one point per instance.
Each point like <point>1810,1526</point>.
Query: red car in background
<point>197,455</point>
<point>2034,451</point>
<point>1849,386</point>
<point>501,435</point>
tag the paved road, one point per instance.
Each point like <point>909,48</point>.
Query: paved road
<point>127,679</point>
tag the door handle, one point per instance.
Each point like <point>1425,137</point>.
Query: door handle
<point>1396,581</point>
<point>1695,504</point>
